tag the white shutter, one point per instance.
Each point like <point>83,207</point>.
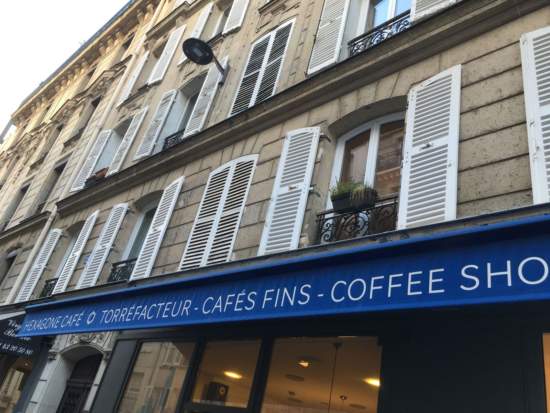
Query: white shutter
<point>236,15</point>
<point>39,265</point>
<point>164,60</point>
<point>328,41</point>
<point>90,163</point>
<point>535,48</point>
<point>177,3</point>
<point>103,247</point>
<point>430,163</point>
<point>423,8</point>
<point>262,69</point>
<point>156,232</point>
<point>215,228</point>
<point>127,141</point>
<point>199,27</point>
<point>204,101</point>
<point>76,252</point>
<point>133,80</point>
<point>155,127</point>
<point>285,215</point>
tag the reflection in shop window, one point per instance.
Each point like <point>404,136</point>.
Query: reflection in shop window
<point>157,377</point>
<point>320,375</point>
<point>14,383</point>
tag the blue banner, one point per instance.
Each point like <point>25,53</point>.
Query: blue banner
<point>511,270</point>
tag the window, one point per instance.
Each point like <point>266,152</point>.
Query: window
<point>14,383</point>
<point>222,20</point>
<point>138,79</point>
<point>7,263</point>
<point>87,115</point>
<point>235,16</point>
<point>15,204</point>
<point>143,225</point>
<point>165,54</point>
<point>198,30</point>
<point>49,187</point>
<point>122,50</point>
<point>9,169</point>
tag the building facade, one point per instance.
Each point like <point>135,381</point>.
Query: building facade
<point>171,240</point>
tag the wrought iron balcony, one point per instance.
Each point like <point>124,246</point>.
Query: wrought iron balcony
<point>173,139</point>
<point>122,270</point>
<point>4,226</point>
<point>332,226</point>
<point>377,35</point>
<point>39,208</point>
<point>47,291</point>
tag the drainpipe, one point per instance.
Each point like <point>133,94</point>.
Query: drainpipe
<point>53,215</point>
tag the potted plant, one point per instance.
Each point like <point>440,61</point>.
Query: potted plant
<point>352,196</point>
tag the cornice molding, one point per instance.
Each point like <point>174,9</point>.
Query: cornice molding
<point>25,225</point>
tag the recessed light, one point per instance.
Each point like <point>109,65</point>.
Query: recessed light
<point>358,406</point>
<point>233,375</point>
<point>373,382</point>
<point>293,400</point>
<point>294,377</point>
<point>303,363</point>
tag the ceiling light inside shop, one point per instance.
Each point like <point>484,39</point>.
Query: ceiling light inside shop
<point>233,375</point>
<point>306,361</point>
<point>294,377</point>
<point>373,382</point>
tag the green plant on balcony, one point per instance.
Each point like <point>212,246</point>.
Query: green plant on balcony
<point>352,196</point>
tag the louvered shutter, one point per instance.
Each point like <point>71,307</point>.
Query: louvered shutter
<point>127,141</point>
<point>155,126</point>
<point>164,61</point>
<point>76,252</point>
<point>423,8</point>
<point>285,214</point>
<point>328,41</point>
<point>430,163</point>
<point>215,228</point>
<point>199,27</point>
<point>236,15</point>
<point>204,101</point>
<point>151,244</point>
<point>133,80</point>
<point>535,49</point>
<point>177,3</point>
<point>103,247</point>
<point>39,265</point>
<point>90,163</point>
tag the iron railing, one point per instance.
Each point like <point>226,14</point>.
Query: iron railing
<point>4,226</point>
<point>377,35</point>
<point>173,139</point>
<point>332,226</point>
<point>39,208</point>
<point>122,270</point>
<point>389,160</point>
<point>47,291</point>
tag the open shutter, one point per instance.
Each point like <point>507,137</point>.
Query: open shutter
<point>164,61</point>
<point>330,34</point>
<point>177,3</point>
<point>199,27</point>
<point>204,101</point>
<point>133,80</point>
<point>127,141</point>
<point>39,265</point>
<point>215,228</point>
<point>236,16</point>
<point>76,252</point>
<point>424,8</point>
<point>155,127</point>
<point>103,247</point>
<point>285,214</point>
<point>156,232</point>
<point>430,163</point>
<point>535,47</point>
<point>90,163</point>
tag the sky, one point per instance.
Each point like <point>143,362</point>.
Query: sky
<point>38,36</point>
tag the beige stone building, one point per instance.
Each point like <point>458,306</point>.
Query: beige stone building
<point>181,243</point>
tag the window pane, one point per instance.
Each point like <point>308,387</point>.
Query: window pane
<point>355,158</point>
<point>303,371</point>
<point>13,384</point>
<point>143,229</point>
<point>402,6</point>
<point>226,373</point>
<point>390,154</point>
<point>156,378</point>
<point>381,12</point>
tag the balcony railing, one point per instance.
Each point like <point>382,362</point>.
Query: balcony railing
<point>122,270</point>
<point>39,208</point>
<point>332,227</point>
<point>47,291</point>
<point>377,35</point>
<point>4,226</point>
<point>173,140</point>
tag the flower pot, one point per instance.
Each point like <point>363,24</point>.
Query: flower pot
<point>343,203</point>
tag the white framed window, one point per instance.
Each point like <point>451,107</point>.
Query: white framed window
<point>222,20</point>
<point>137,238</point>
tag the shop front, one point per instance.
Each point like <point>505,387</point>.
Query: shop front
<point>451,322</point>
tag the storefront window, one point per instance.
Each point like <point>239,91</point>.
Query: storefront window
<point>14,383</point>
<point>323,375</point>
<point>157,377</point>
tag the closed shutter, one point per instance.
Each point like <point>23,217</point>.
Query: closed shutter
<point>287,206</point>
<point>430,164</point>
<point>535,48</point>
<point>39,265</point>
<point>177,3</point>
<point>103,247</point>
<point>424,8</point>
<point>262,69</point>
<point>133,80</point>
<point>199,27</point>
<point>164,61</point>
<point>151,244</point>
<point>127,141</point>
<point>90,163</point>
<point>330,34</point>
<point>236,16</point>
<point>204,101</point>
<point>76,252</point>
<point>155,126</point>
<point>215,228</point>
